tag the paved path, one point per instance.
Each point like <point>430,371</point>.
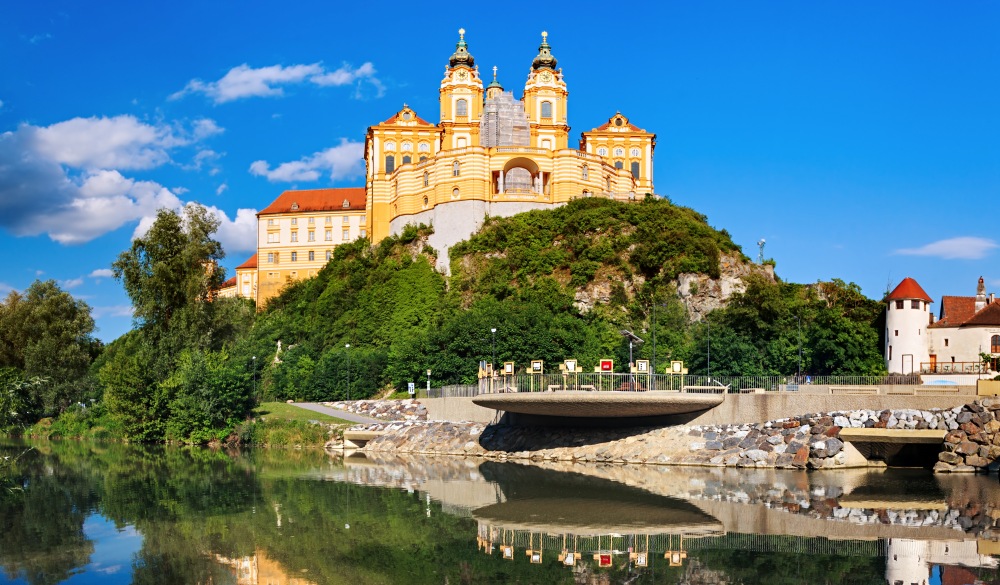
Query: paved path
<point>341,414</point>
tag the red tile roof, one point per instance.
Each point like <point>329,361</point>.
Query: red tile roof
<point>989,316</point>
<point>317,200</point>
<point>909,289</point>
<point>229,283</point>
<point>251,262</point>
<point>626,126</point>
<point>955,311</point>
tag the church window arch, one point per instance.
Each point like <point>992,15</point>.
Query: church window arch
<point>427,178</point>
<point>422,158</point>
<point>406,159</point>
<point>602,151</point>
<point>425,201</point>
<point>407,146</point>
<point>618,164</point>
<point>455,193</point>
<point>995,344</point>
<point>462,108</point>
<point>547,144</point>
<point>635,169</point>
<point>423,147</point>
<point>607,183</point>
<point>546,109</point>
<point>390,163</point>
<point>585,173</point>
<point>619,151</point>
<point>456,169</point>
<point>390,146</point>
<point>634,153</point>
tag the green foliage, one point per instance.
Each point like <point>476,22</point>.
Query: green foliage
<point>206,396</point>
<point>19,405</point>
<point>45,332</point>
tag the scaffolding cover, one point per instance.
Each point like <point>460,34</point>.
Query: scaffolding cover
<point>504,122</point>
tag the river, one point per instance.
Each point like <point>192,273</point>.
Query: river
<point>85,513</point>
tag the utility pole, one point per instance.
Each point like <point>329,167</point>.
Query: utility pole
<point>347,346</point>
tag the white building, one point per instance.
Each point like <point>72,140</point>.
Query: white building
<point>966,327</point>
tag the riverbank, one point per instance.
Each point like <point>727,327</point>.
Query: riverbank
<point>971,440</point>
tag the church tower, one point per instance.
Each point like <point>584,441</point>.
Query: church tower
<point>907,315</point>
<point>461,97</point>
<point>545,101</point>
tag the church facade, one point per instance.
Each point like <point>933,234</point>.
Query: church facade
<point>490,154</point>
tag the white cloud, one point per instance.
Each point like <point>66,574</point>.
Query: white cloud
<point>71,283</point>
<point>962,248</point>
<point>239,234</point>
<point>101,273</point>
<point>112,311</point>
<point>221,189</point>
<point>341,161</point>
<point>65,180</point>
<point>244,81</point>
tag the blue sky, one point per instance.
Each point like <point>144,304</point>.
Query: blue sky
<point>860,139</point>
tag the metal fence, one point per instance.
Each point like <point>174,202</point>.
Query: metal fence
<point>677,383</point>
<point>451,391</point>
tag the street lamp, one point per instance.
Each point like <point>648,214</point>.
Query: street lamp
<point>428,383</point>
<point>798,324</point>
<point>347,346</point>
<point>632,338</point>
<point>494,361</point>
<point>709,323</point>
<point>254,372</point>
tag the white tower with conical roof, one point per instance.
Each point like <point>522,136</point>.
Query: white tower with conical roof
<point>907,316</point>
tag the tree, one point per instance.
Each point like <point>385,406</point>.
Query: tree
<point>46,333</point>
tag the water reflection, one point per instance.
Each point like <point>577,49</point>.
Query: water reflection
<point>77,513</point>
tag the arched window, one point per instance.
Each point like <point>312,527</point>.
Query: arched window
<point>407,159</point>
<point>423,158</point>
<point>602,151</point>
<point>634,152</point>
<point>407,146</point>
<point>390,163</point>
<point>423,147</point>
<point>427,178</point>
<point>455,193</point>
<point>995,344</point>
<point>619,151</point>
<point>635,169</point>
<point>585,173</point>
<point>546,109</point>
<point>618,164</point>
<point>461,108</point>
<point>455,169</point>
<point>390,146</point>
<point>425,201</point>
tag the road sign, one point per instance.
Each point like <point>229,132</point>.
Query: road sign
<point>642,366</point>
<point>411,387</point>
<point>607,365</point>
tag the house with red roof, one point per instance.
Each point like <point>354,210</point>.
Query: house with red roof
<point>952,343</point>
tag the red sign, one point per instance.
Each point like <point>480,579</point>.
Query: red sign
<point>607,365</point>
<point>604,560</point>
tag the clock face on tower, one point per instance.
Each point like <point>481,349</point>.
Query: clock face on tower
<point>462,75</point>
<point>546,76</point>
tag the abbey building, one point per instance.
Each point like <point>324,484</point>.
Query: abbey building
<point>491,153</point>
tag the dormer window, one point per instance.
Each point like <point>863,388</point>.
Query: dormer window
<point>346,204</point>
<point>295,206</point>
<point>407,116</point>
<point>619,122</point>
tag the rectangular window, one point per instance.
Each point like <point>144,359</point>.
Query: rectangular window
<point>390,163</point>
<point>329,254</point>
<point>914,304</point>
<point>346,220</point>
<point>364,233</point>
<point>270,258</point>
<point>295,221</point>
<point>897,333</point>
<point>328,236</point>
<point>312,236</point>
<point>270,221</point>
<point>329,220</point>
<point>312,255</point>
<point>273,238</point>
<point>347,235</point>
<point>312,220</point>
<point>295,256</point>
<point>899,304</point>
<point>946,343</point>
<point>635,170</point>
<point>295,236</point>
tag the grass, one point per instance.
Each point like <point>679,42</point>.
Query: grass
<point>288,412</point>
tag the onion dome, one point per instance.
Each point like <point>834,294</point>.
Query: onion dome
<point>461,56</point>
<point>544,59</point>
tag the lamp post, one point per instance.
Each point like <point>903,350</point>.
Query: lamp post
<point>798,325</point>
<point>709,348</point>
<point>493,331</point>
<point>428,383</point>
<point>347,346</point>
<point>253,361</point>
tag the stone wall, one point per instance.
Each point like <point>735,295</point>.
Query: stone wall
<point>809,441</point>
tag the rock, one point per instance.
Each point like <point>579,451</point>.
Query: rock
<point>950,458</point>
<point>977,461</point>
<point>954,437</point>
<point>755,455</point>
<point>833,446</point>
<point>970,428</point>
<point>801,456</point>
<point>841,421</point>
<point>713,445</point>
<point>776,439</point>
<point>942,467</point>
<point>967,448</point>
<point>963,417</point>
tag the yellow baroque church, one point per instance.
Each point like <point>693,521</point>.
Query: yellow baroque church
<point>490,154</point>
